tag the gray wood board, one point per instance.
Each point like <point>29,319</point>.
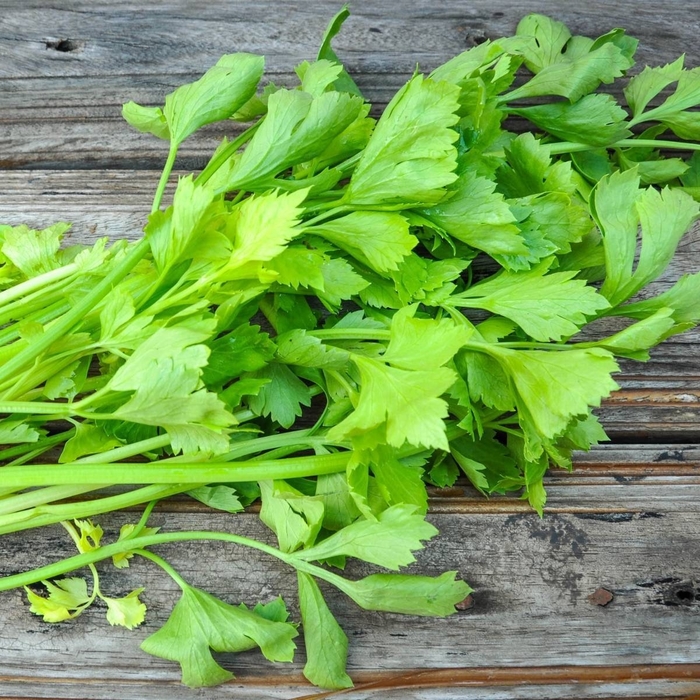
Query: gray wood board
<point>60,102</point>
<point>626,519</point>
<point>531,580</point>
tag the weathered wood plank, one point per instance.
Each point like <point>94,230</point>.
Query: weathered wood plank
<point>626,519</point>
<point>620,459</point>
<point>74,689</point>
<point>372,686</point>
<point>176,37</point>
<point>61,102</point>
<point>116,203</point>
<point>531,579</point>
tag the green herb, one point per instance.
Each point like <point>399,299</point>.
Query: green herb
<point>305,324</point>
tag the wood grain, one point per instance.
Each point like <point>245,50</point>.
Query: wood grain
<point>626,520</point>
<point>531,580</point>
<point>61,102</point>
<point>372,686</point>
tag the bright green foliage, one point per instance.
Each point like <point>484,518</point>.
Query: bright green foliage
<point>326,643</point>
<point>478,216</point>
<point>683,299</point>
<point>33,252</point>
<point>410,157</point>
<point>676,111</point>
<point>127,612</point>
<point>389,541</point>
<point>568,66</point>
<point>399,397</point>
<point>619,207</point>
<point>420,343</point>
<point>410,595</point>
<point>338,310</point>
<point>200,624</point>
<point>554,387</point>
<point>297,127</point>
<point>149,120</point>
<point>645,86</point>
<point>344,83</point>
<point>397,406</point>
<point>282,396</point>
<point>380,240</point>
<point>596,120</point>
<point>215,96</point>
<point>295,519</point>
<point>261,226</point>
<point>529,169</point>
<point>398,482</point>
<point>68,597</point>
<point>636,340</point>
<point>547,306</point>
<point>13,432</point>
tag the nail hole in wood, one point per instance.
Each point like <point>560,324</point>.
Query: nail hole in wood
<point>683,593</point>
<point>476,37</point>
<point>65,45</point>
<point>685,596</point>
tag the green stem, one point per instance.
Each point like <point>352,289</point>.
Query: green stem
<point>37,300</point>
<point>379,334</point>
<point>333,210</point>
<point>349,163</point>
<point>164,177</point>
<point>129,545</point>
<point>171,473</point>
<point>137,545</point>
<point>143,520</point>
<point>35,283</point>
<point>277,453</point>
<point>70,529</point>
<point>54,513</point>
<point>572,147</point>
<point>510,431</point>
<point>220,158</point>
<point>37,452</point>
<point>40,497</point>
<point>349,391</point>
<point>135,448</point>
<point>540,346</point>
<point>50,514</point>
<point>298,438</point>
<point>41,316</point>
<point>352,334</point>
<point>65,323</point>
<point>23,386</point>
<point>37,408</point>
<point>47,442</point>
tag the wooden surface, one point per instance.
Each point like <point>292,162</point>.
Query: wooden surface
<point>625,521</point>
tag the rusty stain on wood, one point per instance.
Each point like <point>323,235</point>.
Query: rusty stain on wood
<point>601,596</point>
